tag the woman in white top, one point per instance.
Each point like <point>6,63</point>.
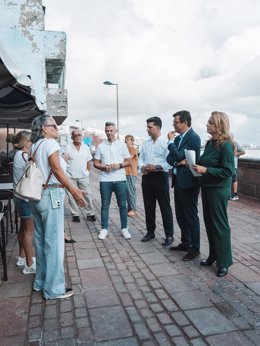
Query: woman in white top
<point>49,211</point>
<point>22,143</point>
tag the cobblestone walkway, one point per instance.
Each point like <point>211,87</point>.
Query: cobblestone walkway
<point>130,293</point>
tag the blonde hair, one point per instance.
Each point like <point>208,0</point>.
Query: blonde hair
<point>131,137</point>
<point>222,125</point>
<point>20,139</point>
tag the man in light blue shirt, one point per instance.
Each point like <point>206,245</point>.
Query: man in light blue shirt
<point>155,181</point>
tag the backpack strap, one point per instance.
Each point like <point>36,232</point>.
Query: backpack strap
<point>23,153</point>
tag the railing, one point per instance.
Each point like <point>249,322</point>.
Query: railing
<point>249,176</point>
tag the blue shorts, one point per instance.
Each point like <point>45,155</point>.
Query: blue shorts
<point>23,208</point>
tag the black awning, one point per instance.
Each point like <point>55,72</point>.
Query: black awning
<point>17,106</point>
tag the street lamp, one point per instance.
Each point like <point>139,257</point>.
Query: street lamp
<point>117,109</point>
<point>80,121</point>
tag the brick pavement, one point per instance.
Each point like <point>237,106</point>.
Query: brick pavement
<point>131,293</point>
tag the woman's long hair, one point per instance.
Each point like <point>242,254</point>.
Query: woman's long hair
<point>222,124</point>
<point>37,125</point>
<point>19,140</point>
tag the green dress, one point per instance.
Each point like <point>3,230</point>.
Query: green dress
<point>215,191</point>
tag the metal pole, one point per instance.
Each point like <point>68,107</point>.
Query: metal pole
<point>117,111</point>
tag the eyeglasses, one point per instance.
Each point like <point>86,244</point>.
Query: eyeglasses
<point>210,122</point>
<point>53,125</point>
<point>176,122</point>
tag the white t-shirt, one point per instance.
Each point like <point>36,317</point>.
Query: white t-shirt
<point>77,165</point>
<point>46,149</point>
<point>108,153</point>
<point>19,164</point>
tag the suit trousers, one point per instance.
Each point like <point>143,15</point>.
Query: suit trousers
<point>155,187</point>
<point>186,209</point>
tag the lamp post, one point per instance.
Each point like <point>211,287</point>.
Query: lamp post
<point>117,108</point>
<point>80,121</point>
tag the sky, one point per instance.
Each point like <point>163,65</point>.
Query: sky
<point>166,56</point>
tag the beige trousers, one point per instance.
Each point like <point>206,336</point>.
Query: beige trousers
<point>83,184</point>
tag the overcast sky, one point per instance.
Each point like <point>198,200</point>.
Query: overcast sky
<point>166,56</point>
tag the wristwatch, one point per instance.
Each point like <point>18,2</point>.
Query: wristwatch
<point>120,165</point>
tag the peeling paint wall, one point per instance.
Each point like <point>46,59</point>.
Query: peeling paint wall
<point>39,53</point>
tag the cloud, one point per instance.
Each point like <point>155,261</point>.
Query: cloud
<point>165,55</point>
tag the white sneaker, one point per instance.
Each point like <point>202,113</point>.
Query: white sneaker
<point>68,293</point>
<point>20,261</point>
<point>31,269</point>
<point>125,233</point>
<point>103,233</point>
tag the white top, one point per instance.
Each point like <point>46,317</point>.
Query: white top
<point>108,153</point>
<point>154,153</point>
<point>19,164</point>
<point>77,164</point>
<point>46,149</point>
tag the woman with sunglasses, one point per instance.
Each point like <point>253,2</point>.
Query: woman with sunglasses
<point>48,213</point>
<point>217,167</point>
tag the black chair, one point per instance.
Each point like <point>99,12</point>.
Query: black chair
<point>6,197</point>
<point>3,237</point>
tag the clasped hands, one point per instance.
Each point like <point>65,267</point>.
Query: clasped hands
<point>146,169</point>
<point>111,167</point>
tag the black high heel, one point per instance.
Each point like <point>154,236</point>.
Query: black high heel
<point>222,271</point>
<point>69,241</point>
<point>207,262</point>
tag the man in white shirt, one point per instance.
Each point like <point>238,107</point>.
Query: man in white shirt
<point>111,158</point>
<point>155,181</point>
<point>79,158</point>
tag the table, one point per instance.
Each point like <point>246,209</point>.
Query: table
<point>6,186</point>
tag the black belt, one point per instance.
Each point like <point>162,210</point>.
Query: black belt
<point>59,186</point>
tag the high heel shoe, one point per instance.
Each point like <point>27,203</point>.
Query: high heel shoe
<point>207,262</point>
<point>222,271</point>
<point>69,241</point>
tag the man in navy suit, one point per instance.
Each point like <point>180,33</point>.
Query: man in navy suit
<point>186,186</point>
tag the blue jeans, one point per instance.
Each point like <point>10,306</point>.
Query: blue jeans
<point>49,245</point>
<point>131,192</point>
<point>120,189</point>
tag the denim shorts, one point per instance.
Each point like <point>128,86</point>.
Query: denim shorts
<point>23,208</point>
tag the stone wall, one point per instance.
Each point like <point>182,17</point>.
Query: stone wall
<point>249,177</point>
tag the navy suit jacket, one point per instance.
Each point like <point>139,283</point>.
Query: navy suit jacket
<point>191,141</point>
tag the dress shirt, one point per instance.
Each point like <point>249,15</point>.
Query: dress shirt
<point>154,153</point>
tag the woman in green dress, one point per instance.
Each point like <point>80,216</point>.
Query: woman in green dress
<point>217,166</point>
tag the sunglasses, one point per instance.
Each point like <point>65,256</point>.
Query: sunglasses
<point>53,125</point>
